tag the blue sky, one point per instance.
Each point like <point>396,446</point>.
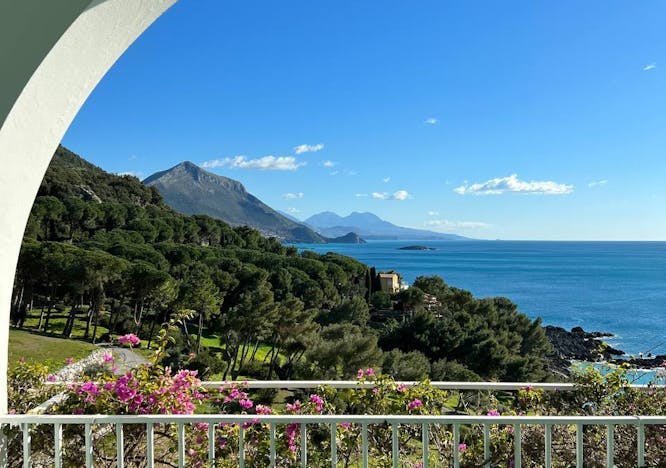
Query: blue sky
<point>512,120</point>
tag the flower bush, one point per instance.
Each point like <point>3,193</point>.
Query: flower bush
<point>153,389</point>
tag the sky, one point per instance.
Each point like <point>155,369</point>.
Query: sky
<point>496,120</point>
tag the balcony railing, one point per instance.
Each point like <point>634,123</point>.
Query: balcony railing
<point>423,426</point>
<point>26,422</point>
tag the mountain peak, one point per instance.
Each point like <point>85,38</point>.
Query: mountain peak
<point>191,190</point>
<point>189,165</point>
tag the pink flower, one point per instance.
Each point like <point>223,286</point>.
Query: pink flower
<point>51,378</point>
<point>416,403</point>
<point>375,390</point>
<point>261,409</point>
<point>21,359</point>
<point>360,374</point>
<point>69,361</point>
<point>345,425</point>
<point>370,372</point>
<point>292,432</point>
<point>108,357</point>
<point>130,339</point>
<point>462,447</point>
<point>401,388</point>
<point>89,387</point>
<point>318,401</point>
<point>529,387</point>
<point>245,403</point>
<point>493,412</point>
<point>294,407</point>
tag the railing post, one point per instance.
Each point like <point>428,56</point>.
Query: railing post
<point>304,445</point>
<point>120,447</point>
<point>89,454</point>
<point>3,446</point>
<point>486,444</point>
<point>610,434</point>
<point>150,445</point>
<point>456,443</point>
<point>181,445</point>
<point>334,445</point>
<point>272,445</point>
<point>241,446</point>
<point>548,443</point>
<point>211,445</point>
<point>27,453</point>
<point>364,444</point>
<point>579,445</point>
<point>394,445</point>
<point>57,445</point>
<point>517,446</point>
<point>425,442</point>
<point>640,436</point>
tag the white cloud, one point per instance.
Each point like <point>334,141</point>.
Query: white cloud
<point>267,163</point>
<point>433,213</point>
<point>292,196</point>
<point>132,157</point>
<point>328,164</point>
<point>431,121</point>
<point>386,180</point>
<point>138,175</point>
<point>446,224</point>
<point>360,195</point>
<point>300,149</point>
<point>650,66</point>
<point>400,195</point>
<point>512,184</point>
<point>352,173</point>
<point>597,183</point>
<point>334,173</point>
<point>293,210</point>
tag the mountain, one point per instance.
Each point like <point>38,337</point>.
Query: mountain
<point>189,189</point>
<point>370,226</point>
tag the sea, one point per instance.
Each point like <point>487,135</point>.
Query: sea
<point>615,287</point>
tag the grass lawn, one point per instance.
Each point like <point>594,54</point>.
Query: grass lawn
<point>213,343</point>
<point>45,349</point>
<point>58,320</point>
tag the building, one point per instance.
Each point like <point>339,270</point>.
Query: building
<point>390,282</point>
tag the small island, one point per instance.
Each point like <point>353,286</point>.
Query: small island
<point>349,238</point>
<point>416,247</point>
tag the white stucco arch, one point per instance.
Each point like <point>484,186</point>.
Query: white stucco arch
<point>52,55</point>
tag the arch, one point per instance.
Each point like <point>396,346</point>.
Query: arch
<point>53,55</point>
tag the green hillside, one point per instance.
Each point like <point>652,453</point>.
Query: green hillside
<point>103,254</point>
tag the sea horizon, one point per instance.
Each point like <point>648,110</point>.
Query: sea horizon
<point>566,283</point>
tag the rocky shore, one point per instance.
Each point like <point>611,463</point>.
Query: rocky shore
<point>642,362</point>
<point>577,345</point>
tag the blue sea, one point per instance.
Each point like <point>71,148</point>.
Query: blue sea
<point>616,287</point>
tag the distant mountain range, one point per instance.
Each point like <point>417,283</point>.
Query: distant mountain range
<point>189,189</point>
<point>370,227</point>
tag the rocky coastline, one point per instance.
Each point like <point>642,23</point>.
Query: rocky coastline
<point>577,345</point>
<point>580,345</point>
